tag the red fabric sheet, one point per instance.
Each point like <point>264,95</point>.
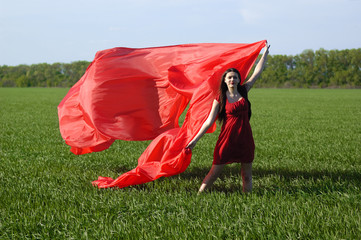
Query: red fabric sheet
<point>139,94</point>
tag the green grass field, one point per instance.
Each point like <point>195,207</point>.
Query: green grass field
<point>307,176</point>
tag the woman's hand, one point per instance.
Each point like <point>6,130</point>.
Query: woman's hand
<point>192,144</point>
<point>266,51</point>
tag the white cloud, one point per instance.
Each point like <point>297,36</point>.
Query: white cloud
<point>250,16</point>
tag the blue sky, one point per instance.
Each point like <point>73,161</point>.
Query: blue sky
<point>37,31</point>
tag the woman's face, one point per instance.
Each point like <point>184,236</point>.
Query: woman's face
<point>232,79</point>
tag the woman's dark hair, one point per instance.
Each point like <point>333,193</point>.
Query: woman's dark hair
<point>223,97</point>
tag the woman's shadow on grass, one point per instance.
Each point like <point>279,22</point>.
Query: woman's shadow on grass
<point>288,180</point>
<point>285,180</point>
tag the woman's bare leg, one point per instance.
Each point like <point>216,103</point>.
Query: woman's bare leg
<point>211,177</point>
<point>246,170</point>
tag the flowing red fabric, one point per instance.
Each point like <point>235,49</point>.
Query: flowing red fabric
<point>139,94</point>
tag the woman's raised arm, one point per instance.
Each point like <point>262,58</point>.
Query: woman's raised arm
<point>258,70</point>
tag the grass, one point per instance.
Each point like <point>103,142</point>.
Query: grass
<point>307,176</point>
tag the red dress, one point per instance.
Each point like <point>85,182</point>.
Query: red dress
<point>235,142</point>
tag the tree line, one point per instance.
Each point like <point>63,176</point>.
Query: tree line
<point>42,75</point>
<point>320,69</point>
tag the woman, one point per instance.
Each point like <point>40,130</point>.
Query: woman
<point>235,142</point>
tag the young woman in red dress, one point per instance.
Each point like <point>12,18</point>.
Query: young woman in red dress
<point>235,142</point>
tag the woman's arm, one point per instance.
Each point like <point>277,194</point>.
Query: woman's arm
<point>258,70</point>
<point>206,125</point>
